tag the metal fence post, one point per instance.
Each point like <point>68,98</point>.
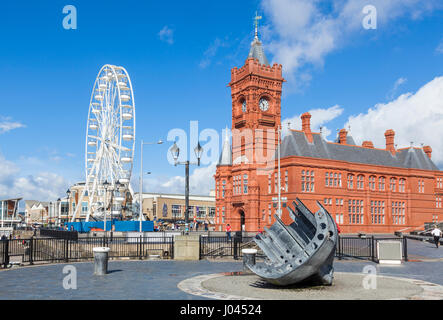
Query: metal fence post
<point>372,248</point>
<point>140,248</point>
<point>31,250</point>
<point>339,248</point>
<point>6,252</point>
<point>66,250</point>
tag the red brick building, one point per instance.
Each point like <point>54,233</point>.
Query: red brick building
<point>366,189</point>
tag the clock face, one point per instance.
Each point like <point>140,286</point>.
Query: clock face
<point>243,106</point>
<point>264,104</point>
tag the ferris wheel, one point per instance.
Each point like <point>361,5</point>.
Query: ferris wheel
<point>110,144</point>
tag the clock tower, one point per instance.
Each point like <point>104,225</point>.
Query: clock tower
<point>256,105</point>
<point>256,90</point>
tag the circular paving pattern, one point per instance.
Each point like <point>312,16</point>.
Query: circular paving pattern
<point>346,286</point>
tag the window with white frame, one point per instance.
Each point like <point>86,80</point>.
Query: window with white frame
<point>438,202</point>
<point>307,181</point>
<point>355,211</point>
<point>350,181</point>
<point>371,183</point>
<point>377,212</point>
<point>421,186</point>
<point>381,183</point>
<point>360,182</point>
<point>176,210</point>
<point>269,183</point>
<point>392,184</point>
<point>401,185</point>
<point>398,212</point>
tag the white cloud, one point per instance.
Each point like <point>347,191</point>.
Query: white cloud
<point>319,117</point>
<point>397,84</point>
<point>304,32</point>
<point>209,54</point>
<point>43,186</point>
<point>166,35</point>
<point>7,125</point>
<point>415,117</point>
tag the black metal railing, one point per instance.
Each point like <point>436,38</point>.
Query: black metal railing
<point>365,247</point>
<point>64,250</point>
<point>347,247</point>
<point>222,246</point>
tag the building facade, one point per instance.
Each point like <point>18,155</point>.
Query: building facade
<point>366,189</point>
<point>170,208</point>
<point>9,217</point>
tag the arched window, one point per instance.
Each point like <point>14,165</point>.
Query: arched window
<point>360,182</point>
<point>401,185</point>
<point>371,183</point>
<point>381,183</point>
<point>392,184</point>
<point>350,181</point>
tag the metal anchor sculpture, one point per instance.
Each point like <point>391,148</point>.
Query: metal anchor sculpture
<point>300,251</point>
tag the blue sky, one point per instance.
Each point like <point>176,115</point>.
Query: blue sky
<point>181,74</point>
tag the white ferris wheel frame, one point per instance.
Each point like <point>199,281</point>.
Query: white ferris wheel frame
<point>107,165</point>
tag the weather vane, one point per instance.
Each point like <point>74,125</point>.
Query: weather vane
<point>257,17</point>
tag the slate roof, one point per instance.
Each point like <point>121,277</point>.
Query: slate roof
<point>257,52</point>
<point>296,144</point>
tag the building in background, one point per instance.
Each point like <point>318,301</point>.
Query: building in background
<point>36,211</point>
<point>366,189</point>
<point>9,217</point>
<point>170,208</point>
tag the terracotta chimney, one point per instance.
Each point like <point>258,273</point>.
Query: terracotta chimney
<point>306,125</point>
<point>342,136</point>
<point>428,151</point>
<point>367,144</point>
<point>389,135</point>
<point>306,122</point>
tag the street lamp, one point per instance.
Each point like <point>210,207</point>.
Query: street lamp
<point>68,194</point>
<point>175,152</point>
<point>141,180</point>
<point>117,194</point>
<point>105,185</point>
<point>59,203</point>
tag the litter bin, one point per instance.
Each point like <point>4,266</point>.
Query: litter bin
<point>100,260</point>
<point>248,258</point>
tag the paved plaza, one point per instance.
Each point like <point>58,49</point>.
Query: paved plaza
<point>159,279</point>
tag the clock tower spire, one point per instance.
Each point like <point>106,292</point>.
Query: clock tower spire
<point>256,103</point>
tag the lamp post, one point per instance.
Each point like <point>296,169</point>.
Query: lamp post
<point>68,194</point>
<point>141,180</point>
<point>59,205</point>
<point>105,185</point>
<point>115,193</point>
<point>175,151</point>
